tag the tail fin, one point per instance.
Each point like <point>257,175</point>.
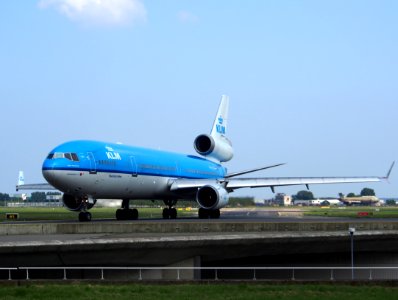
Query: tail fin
<point>21,178</point>
<point>221,120</point>
<point>216,145</point>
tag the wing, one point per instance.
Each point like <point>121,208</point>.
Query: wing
<point>231,184</point>
<point>237,183</point>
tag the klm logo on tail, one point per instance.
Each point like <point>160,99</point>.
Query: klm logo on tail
<point>220,128</point>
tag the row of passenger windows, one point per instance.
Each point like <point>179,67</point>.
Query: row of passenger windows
<point>70,156</point>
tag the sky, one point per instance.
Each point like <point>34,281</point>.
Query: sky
<point>313,84</point>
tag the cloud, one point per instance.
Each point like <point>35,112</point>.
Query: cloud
<point>187,17</point>
<point>99,12</point>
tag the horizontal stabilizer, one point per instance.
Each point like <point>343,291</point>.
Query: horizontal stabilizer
<point>36,186</point>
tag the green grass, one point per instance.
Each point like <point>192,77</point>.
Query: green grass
<point>198,291</point>
<point>353,212</point>
<point>61,213</point>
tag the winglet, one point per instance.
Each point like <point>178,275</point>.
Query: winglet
<point>389,171</point>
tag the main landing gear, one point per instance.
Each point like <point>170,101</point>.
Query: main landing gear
<point>125,213</point>
<point>208,213</point>
<point>170,212</point>
<point>84,216</point>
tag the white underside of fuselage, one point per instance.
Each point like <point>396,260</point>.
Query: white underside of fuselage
<point>104,185</point>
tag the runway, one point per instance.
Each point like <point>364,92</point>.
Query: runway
<point>251,215</point>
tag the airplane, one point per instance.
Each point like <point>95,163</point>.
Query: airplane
<point>89,170</point>
<point>359,200</point>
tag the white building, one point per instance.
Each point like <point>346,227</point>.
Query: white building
<point>283,199</point>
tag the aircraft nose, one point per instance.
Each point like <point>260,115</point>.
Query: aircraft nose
<point>48,171</point>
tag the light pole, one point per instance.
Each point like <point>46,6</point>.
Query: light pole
<point>351,230</point>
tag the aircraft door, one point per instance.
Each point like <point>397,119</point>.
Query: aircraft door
<point>93,166</point>
<point>133,166</point>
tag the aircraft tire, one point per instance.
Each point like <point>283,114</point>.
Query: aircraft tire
<point>166,213</point>
<point>134,214</point>
<point>84,216</point>
<point>203,213</point>
<point>173,213</point>
<point>215,214</point>
<point>120,214</point>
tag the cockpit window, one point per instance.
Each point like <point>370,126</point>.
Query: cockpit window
<point>58,155</point>
<point>69,156</point>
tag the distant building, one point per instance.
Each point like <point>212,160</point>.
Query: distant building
<point>54,197</point>
<point>283,199</point>
<point>317,202</point>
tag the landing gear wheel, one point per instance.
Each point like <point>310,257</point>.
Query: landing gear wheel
<point>173,213</point>
<point>84,216</point>
<point>203,213</point>
<point>215,214</point>
<point>119,214</point>
<point>134,214</point>
<point>166,213</point>
<point>169,213</point>
<point>126,214</point>
<point>209,213</point>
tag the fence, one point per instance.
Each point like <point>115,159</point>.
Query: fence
<point>200,273</point>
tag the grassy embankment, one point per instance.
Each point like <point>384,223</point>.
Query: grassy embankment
<point>198,291</point>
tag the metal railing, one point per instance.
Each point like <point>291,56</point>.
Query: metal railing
<point>205,273</point>
<point>9,271</point>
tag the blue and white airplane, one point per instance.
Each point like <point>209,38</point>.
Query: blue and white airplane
<point>89,170</point>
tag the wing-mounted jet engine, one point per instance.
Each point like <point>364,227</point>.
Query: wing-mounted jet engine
<point>75,203</point>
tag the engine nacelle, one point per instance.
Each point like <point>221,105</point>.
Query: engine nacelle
<point>220,148</point>
<point>75,203</point>
<point>212,197</point>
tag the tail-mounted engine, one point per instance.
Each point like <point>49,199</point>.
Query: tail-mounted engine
<point>220,148</point>
<point>212,197</point>
<point>75,203</point>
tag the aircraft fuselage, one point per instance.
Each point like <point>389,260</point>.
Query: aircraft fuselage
<point>117,171</point>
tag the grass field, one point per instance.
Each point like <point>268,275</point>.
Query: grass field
<point>353,212</point>
<point>198,291</point>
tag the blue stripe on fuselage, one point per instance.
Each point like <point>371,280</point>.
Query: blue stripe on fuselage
<point>119,158</point>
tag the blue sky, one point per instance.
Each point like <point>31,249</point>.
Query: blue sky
<point>311,83</point>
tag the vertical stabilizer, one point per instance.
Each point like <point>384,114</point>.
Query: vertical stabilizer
<point>221,120</point>
<point>21,178</point>
<point>216,145</point>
